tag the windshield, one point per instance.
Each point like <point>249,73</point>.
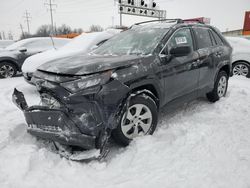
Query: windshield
<point>140,40</point>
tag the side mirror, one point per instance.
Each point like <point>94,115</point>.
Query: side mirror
<point>164,55</point>
<point>22,49</point>
<point>180,51</point>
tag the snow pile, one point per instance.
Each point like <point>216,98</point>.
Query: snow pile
<point>198,145</point>
<point>81,44</point>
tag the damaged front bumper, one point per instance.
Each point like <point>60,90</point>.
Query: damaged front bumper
<point>52,124</point>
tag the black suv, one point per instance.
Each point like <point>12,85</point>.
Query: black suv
<point>119,88</point>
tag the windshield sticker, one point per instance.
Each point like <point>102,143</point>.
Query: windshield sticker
<point>181,40</point>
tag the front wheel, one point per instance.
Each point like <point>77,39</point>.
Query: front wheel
<point>139,119</point>
<point>220,87</point>
<point>7,70</point>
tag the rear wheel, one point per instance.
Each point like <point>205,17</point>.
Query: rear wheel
<point>241,69</point>
<point>220,87</point>
<point>138,120</point>
<point>7,70</point>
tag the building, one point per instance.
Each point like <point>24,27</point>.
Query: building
<point>237,32</point>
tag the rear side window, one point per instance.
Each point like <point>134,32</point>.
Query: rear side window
<point>217,39</point>
<point>203,38</point>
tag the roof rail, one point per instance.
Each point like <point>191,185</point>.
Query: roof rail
<point>177,20</point>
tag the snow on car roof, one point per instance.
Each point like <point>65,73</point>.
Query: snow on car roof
<point>25,41</point>
<point>238,41</point>
<point>240,45</point>
<point>81,44</point>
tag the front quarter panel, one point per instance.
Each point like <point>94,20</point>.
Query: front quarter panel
<point>141,74</point>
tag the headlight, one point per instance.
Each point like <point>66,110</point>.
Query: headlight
<point>87,81</point>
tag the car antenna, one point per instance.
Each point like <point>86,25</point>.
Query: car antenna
<point>52,40</point>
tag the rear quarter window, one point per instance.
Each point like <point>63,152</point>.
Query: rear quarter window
<point>217,39</point>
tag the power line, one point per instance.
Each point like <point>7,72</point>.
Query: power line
<point>27,19</point>
<point>50,7</point>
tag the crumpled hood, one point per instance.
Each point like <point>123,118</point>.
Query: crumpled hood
<point>88,64</point>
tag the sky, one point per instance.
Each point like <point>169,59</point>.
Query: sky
<point>224,14</point>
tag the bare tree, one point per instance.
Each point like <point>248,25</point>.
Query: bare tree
<point>43,31</point>
<point>95,28</point>
<point>63,30</point>
<point>46,31</point>
<point>79,30</point>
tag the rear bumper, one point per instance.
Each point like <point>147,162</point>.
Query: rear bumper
<point>52,124</point>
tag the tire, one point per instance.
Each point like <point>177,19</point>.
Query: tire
<point>241,69</point>
<point>142,117</point>
<point>7,70</point>
<point>220,87</point>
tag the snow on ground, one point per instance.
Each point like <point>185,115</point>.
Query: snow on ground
<point>198,145</point>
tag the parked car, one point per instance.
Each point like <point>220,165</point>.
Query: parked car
<point>241,55</point>
<point>120,87</point>
<point>79,45</point>
<point>246,37</point>
<point>12,57</point>
<point>5,43</point>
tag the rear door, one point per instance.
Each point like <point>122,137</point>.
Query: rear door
<point>206,62</point>
<point>223,51</point>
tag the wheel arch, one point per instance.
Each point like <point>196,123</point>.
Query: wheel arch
<point>225,68</point>
<point>148,89</point>
<point>238,61</point>
<point>13,62</point>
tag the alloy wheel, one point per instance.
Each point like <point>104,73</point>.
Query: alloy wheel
<point>241,70</point>
<point>7,71</point>
<point>137,121</point>
<point>222,86</point>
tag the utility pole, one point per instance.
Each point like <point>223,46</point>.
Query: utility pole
<point>27,19</point>
<point>50,7</point>
<point>22,30</point>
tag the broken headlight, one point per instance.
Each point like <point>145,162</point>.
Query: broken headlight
<point>87,81</point>
<point>48,100</point>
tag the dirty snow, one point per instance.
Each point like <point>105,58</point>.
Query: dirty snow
<point>198,145</point>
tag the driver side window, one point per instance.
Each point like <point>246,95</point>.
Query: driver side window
<point>182,37</point>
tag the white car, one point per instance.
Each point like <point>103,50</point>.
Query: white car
<point>5,43</point>
<point>84,43</point>
<point>241,55</point>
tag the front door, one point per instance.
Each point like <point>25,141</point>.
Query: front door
<point>180,73</point>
